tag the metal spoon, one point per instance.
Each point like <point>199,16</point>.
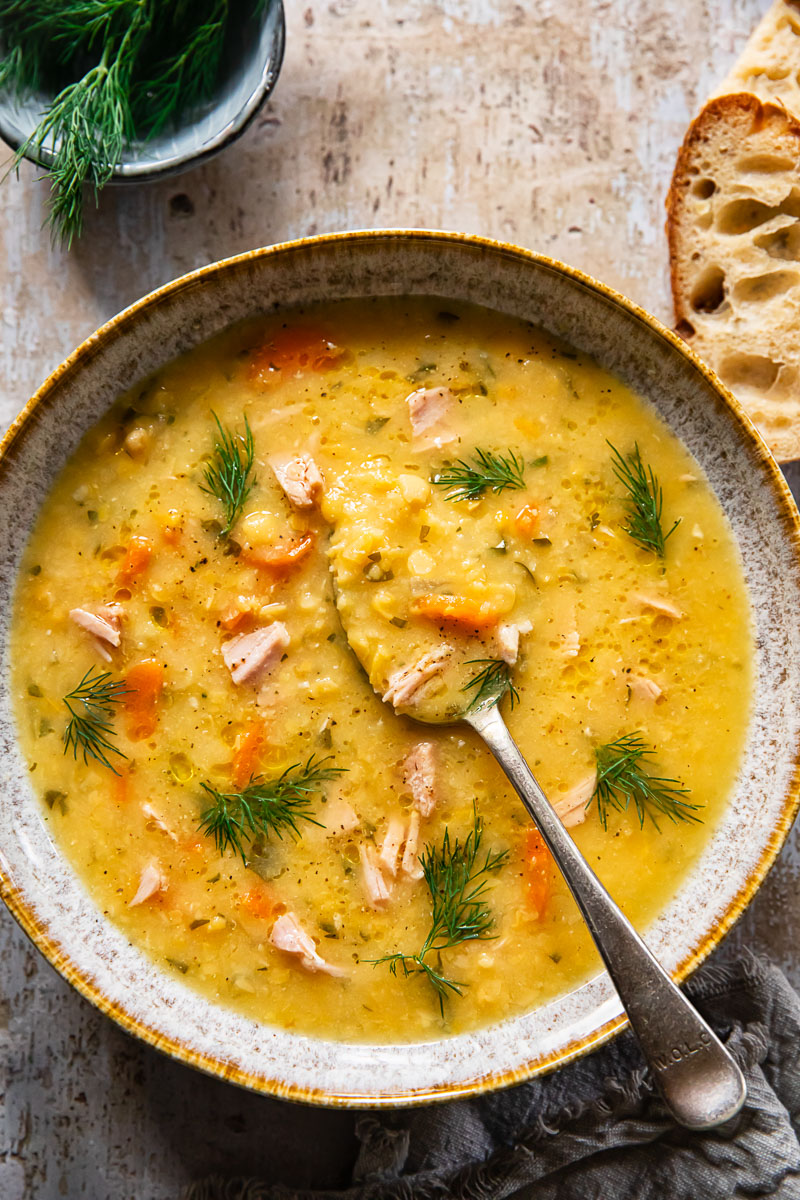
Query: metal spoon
<point>701,1084</point>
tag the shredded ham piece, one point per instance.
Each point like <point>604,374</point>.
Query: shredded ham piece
<point>507,638</point>
<point>151,881</point>
<point>250,655</point>
<point>428,409</point>
<point>405,684</point>
<point>378,892</point>
<point>158,820</point>
<point>300,478</point>
<point>289,936</point>
<point>340,817</point>
<point>571,807</point>
<point>103,626</point>
<point>380,868</point>
<point>392,842</point>
<point>410,865</point>
<point>419,776</point>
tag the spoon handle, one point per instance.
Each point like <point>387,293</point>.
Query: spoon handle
<point>699,1081</point>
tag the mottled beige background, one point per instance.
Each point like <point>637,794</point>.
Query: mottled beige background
<point>554,125</point>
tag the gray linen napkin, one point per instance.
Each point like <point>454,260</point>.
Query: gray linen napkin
<point>595,1130</point>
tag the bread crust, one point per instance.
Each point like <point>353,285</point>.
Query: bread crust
<point>722,110</point>
<point>725,266</point>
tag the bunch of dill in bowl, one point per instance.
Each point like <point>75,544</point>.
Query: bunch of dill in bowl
<point>129,89</point>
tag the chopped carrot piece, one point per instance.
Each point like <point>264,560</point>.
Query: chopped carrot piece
<point>236,619</point>
<point>139,553</point>
<point>121,785</point>
<point>527,521</point>
<point>238,613</point>
<point>247,754</point>
<point>259,901</point>
<point>538,871</point>
<point>302,348</point>
<point>284,556</point>
<point>145,682</point>
<point>456,610</point>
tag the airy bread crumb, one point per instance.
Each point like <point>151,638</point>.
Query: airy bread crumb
<point>733,224</point>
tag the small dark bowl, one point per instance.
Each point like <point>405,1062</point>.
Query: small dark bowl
<point>250,67</point>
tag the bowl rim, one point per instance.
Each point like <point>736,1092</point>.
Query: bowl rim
<point>174,164</point>
<point>788,516</point>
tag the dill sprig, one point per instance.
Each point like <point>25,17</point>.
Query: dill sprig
<point>644,501</point>
<point>91,708</point>
<point>491,684</point>
<point>487,470</point>
<point>89,121</point>
<point>227,476</point>
<point>623,778</point>
<point>123,70</point>
<point>457,882</point>
<point>180,78</point>
<point>264,806</point>
<point>87,125</point>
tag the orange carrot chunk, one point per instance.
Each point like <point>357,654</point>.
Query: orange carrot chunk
<point>236,619</point>
<point>282,557</point>
<point>145,682</point>
<point>120,785</point>
<point>140,550</point>
<point>538,871</point>
<point>259,901</point>
<point>456,610</point>
<point>303,348</point>
<point>527,521</point>
<point>248,753</point>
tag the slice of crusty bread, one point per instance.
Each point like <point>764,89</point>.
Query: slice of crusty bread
<point>769,64</point>
<point>733,224</point>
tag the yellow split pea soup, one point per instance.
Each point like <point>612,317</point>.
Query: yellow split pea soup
<point>213,759</point>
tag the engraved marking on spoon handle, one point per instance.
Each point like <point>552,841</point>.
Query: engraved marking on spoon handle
<point>700,1082</point>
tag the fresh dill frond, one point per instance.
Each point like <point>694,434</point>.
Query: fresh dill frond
<point>86,127</point>
<point>91,707</point>
<point>491,684</point>
<point>264,806</point>
<point>227,476</point>
<point>457,880</point>
<point>123,70</point>
<point>623,778</point>
<point>88,123</point>
<point>487,470</point>
<point>644,501</point>
<point>180,78</point>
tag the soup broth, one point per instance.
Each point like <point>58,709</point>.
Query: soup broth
<point>230,686</point>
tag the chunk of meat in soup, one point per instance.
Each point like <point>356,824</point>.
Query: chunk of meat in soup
<point>300,478</point>
<point>249,656</point>
<point>289,936</point>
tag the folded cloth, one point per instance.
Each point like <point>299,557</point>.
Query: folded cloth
<point>597,1129</point>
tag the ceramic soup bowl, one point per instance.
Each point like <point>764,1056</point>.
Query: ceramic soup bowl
<point>48,899</point>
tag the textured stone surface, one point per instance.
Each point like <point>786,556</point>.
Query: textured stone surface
<point>554,125</point>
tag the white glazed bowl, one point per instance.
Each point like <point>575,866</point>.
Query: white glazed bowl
<point>46,896</point>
